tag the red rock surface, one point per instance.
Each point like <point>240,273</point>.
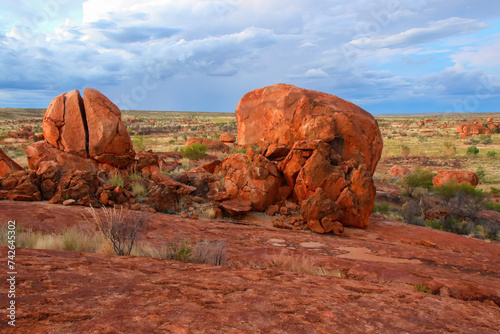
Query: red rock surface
<point>7,165</point>
<point>212,145</point>
<point>108,136</point>
<point>64,124</point>
<point>285,114</point>
<point>74,292</point>
<point>252,178</point>
<point>227,138</point>
<point>460,177</point>
<point>399,170</point>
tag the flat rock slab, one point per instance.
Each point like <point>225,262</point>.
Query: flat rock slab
<point>71,292</point>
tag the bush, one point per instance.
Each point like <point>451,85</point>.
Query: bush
<point>435,224</point>
<point>412,213</point>
<point>381,208</point>
<point>116,228</point>
<point>491,154</point>
<point>139,190</point>
<point>464,200</point>
<point>495,191</point>
<point>194,151</point>
<point>481,175</point>
<point>472,150</point>
<point>485,139</point>
<point>116,181</point>
<point>420,178</point>
<point>493,206</point>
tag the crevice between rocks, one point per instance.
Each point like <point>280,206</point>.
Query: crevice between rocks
<point>85,124</point>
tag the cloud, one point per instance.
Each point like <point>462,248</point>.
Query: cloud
<point>436,30</point>
<point>139,34</point>
<point>315,73</point>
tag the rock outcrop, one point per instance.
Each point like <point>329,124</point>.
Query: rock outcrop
<point>83,133</point>
<point>460,177</point>
<point>325,148</point>
<point>7,165</point>
<point>285,114</point>
<point>252,178</point>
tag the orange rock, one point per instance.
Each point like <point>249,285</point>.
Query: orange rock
<point>490,119</point>
<point>398,170</point>
<point>255,179</point>
<point>212,145</point>
<point>227,138</point>
<point>236,206</point>
<point>107,134</point>
<point>285,114</point>
<point>64,124</point>
<point>460,177</point>
<point>7,165</point>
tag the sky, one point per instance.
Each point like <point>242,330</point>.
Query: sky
<point>387,56</point>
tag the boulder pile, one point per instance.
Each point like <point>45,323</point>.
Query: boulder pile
<point>305,151</point>
<point>316,148</point>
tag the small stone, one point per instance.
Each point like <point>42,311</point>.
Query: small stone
<point>69,202</point>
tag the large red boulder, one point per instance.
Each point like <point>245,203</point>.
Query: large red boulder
<point>285,114</point>
<point>64,124</point>
<point>252,178</point>
<point>77,129</point>
<point>109,141</point>
<point>460,177</point>
<point>7,165</point>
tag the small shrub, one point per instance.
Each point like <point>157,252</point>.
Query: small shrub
<point>171,141</point>
<point>210,252</point>
<point>435,224</point>
<point>135,176</point>
<point>481,175</point>
<point>181,251</point>
<point>194,151</point>
<point>184,137</point>
<point>472,150</point>
<point>448,144</point>
<point>420,178</point>
<point>493,206</point>
<point>116,181</point>
<point>381,208</point>
<point>421,287</point>
<point>495,190</point>
<point>464,200</point>
<point>241,150</point>
<point>116,228</point>
<point>138,142</point>
<point>139,190</point>
<point>491,154</point>
<point>412,213</point>
<point>485,139</point>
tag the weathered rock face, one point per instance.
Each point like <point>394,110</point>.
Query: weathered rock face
<point>285,114</point>
<point>64,124</point>
<point>77,130</point>
<point>20,186</point>
<point>473,129</point>
<point>109,141</point>
<point>7,165</point>
<point>398,170</point>
<point>346,187</point>
<point>460,177</point>
<point>253,178</point>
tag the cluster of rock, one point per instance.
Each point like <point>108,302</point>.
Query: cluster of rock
<point>313,148</point>
<point>302,146</point>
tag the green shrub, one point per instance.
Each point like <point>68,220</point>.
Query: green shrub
<point>495,191</point>
<point>194,151</point>
<point>381,208</point>
<point>463,200</point>
<point>491,154</point>
<point>420,178</point>
<point>486,139</point>
<point>139,190</point>
<point>181,251</point>
<point>493,206</point>
<point>116,181</point>
<point>241,150</point>
<point>171,141</point>
<point>481,175</point>
<point>420,287</point>
<point>435,224</point>
<point>472,150</point>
